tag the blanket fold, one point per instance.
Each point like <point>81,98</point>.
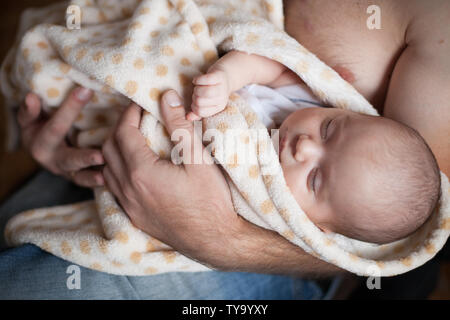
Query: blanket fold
<point>133,51</point>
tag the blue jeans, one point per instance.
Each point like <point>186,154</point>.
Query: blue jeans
<point>27,272</point>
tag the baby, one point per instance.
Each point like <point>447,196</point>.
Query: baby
<point>369,178</point>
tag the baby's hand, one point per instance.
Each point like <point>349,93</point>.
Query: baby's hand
<point>211,93</point>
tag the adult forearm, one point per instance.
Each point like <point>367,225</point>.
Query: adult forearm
<point>254,249</point>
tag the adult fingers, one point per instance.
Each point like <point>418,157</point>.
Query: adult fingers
<point>113,158</point>
<point>29,111</point>
<point>70,159</point>
<point>56,128</point>
<point>112,183</point>
<point>174,117</point>
<point>130,140</point>
<point>88,178</point>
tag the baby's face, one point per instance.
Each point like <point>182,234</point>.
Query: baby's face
<point>326,158</point>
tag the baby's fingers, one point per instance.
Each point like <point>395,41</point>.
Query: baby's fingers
<point>208,79</point>
<point>211,91</point>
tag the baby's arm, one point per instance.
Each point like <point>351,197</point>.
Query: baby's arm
<point>233,71</point>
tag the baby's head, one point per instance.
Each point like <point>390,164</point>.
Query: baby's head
<point>366,177</point>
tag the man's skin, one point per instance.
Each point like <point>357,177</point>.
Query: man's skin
<point>402,69</point>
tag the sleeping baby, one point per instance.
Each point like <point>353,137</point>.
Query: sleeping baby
<point>366,177</point>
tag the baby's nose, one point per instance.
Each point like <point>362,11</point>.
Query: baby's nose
<point>306,149</point>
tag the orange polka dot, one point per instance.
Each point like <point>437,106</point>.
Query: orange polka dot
<point>135,25</point>
<point>288,234</point>
<point>268,179</point>
<point>167,51</point>
<point>210,56</point>
<point>126,41</point>
<point>45,246</point>
<point>110,210</point>
<point>278,42</point>
<point>267,207</point>
<point>131,87</point>
<point>197,28</point>
<point>66,51</point>
<point>81,53</point>
<point>147,48</point>
<point>53,93</point>
<point>253,172</point>
<point>185,62</point>
<point>230,110</point>
<point>135,257</point>
<point>98,56</point>
<point>252,38</point>
<point>150,270</point>
<point>163,20</point>
<point>250,118</point>
<point>169,256</point>
<point>139,64</point>
<point>109,80</point>
<point>268,7</point>
<point>342,104</point>
<point>37,67</point>
<point>327,74</point>
<point>85,247</point>
<point>161,70</point>
<point>155,94</point>
<point>195,46</point>
<point>42,45</point>
<point>103,245</point>
<point>26,53</point>
<point>302,67</point>
<point>117,58</point>
<point>430,248</point>
<point>144,10</point>
<point>96,266</point>
<point>210,20</point>
<point>122,237</point>
<point>445,224</point>
<point>406,261</point>
<point>154,34</point>
<point>65,248</point>
<point>180,5</point>
<point>284,213</point>
<point>222,127</point>
<point>233,162</point>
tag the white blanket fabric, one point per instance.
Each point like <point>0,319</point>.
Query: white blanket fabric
<point>134,50</point>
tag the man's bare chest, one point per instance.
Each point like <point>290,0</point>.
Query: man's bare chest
<point>339,36</point>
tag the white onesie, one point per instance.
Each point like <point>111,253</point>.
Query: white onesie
<point>274,105</point>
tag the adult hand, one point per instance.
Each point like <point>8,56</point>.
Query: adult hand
<point>45,139</point>
<point>186,206</point>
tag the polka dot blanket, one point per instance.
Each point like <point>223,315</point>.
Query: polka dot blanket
<point>134,50</point>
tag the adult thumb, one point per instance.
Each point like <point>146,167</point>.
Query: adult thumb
<point>173,112</point>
